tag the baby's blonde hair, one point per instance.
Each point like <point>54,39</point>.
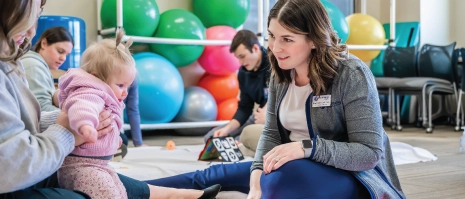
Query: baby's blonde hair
<point>107,56</point>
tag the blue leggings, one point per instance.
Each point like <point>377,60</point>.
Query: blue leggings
<point>296,179</point>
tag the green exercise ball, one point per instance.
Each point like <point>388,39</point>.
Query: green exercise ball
<point>140,17</point>
<point>338,20</point>
<point>222,12</point>
<point>179,24</point>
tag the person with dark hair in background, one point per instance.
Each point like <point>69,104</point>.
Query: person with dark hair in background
<point>253,79</point>
<point>49,53</point>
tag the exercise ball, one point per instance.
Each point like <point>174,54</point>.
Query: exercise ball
<point>191,74</point>
<point>198,106</point>
<point>140,17</point>
<point>365,30</point>
<point>227,109</point>
<point>75,26</point>
<point>217,60</point>
<point>338,20</point>
<point>180,24</point>
<point>221,87</point>
<point>222,12</point>
<point>161,89</point>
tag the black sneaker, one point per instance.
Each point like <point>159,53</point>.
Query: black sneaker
<point>120,153</point>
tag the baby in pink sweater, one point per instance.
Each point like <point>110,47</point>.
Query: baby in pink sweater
<point>106,72</point>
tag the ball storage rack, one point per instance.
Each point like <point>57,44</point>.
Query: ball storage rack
<point>262,6</point>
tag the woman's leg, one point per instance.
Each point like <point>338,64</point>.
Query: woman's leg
<point>141,190</point>
<point>46,189</point>
<point>308,179</point>
<point>232,177</point>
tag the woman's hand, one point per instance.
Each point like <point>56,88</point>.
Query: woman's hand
<point>282,154</point>
<point>255,189</point>
<point>260,115</point>
<point>106,125</point>
<point>254,193</point>
<point>106,120</point>
<point>55,98</point>
<point>63,120</point>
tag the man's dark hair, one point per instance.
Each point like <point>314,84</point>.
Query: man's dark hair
<point>246,37</point>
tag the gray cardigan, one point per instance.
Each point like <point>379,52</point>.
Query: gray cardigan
<point>347,135</point>
<point>30,151</point>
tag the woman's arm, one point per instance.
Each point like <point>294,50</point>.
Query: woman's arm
<point>27,158</point>
<point>270,137</point>
<point>362,115</point>
<point>47,119</point>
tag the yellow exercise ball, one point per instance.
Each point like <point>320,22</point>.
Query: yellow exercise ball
<point>365,30</point>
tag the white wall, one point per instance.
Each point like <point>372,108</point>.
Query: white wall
<point>435,23</point>
<point>440,19</point>
<point>457,20</point>
<point>87,10</point>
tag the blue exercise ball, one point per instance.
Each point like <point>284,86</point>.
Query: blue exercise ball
<point>338,20</point>
<point>198,106</point>
<point>76,26</point>
<point>161,89</point>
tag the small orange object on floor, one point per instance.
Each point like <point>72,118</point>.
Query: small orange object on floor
<point>170,145</point>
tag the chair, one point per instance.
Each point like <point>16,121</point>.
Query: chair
<point>436,75</point>
<point>397,63</point>
<point>407,35</point>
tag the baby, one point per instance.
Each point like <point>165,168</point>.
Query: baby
<point>106,72</point>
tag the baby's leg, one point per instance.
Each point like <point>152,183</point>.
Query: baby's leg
<point>91,177</point>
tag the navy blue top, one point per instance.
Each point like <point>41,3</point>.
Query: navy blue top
<point>254,88</point>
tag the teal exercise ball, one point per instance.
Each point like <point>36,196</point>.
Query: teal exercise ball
<point>179,24</point>
<point>140,17</point>
<point>338,20</point>
<point>222,12</point>
<point>161,89</point>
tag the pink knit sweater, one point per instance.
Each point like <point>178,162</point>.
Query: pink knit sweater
<point>84,96</point>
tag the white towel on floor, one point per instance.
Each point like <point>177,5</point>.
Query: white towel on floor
<point>406,154</point>
<point>147,163</point>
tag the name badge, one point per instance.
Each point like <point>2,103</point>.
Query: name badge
<point>321,101</point>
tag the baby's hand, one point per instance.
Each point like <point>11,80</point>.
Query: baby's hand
<point>88,133</point>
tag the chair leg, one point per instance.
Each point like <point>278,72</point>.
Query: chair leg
<point>424,109</point>
<point>389,119</point>
<point>398,126</point>
<point>429,127</point>
<point>457,118</point>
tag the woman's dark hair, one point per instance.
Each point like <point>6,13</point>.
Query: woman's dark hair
<point>54,35</point>
<point>309,18</point>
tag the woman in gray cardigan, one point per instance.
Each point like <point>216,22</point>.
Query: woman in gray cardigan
<point>33,144</point>
<point>323,135</point>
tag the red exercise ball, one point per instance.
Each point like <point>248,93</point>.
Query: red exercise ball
<point>221,87</point>
<point>217,60</point>
<point>227,109</point>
